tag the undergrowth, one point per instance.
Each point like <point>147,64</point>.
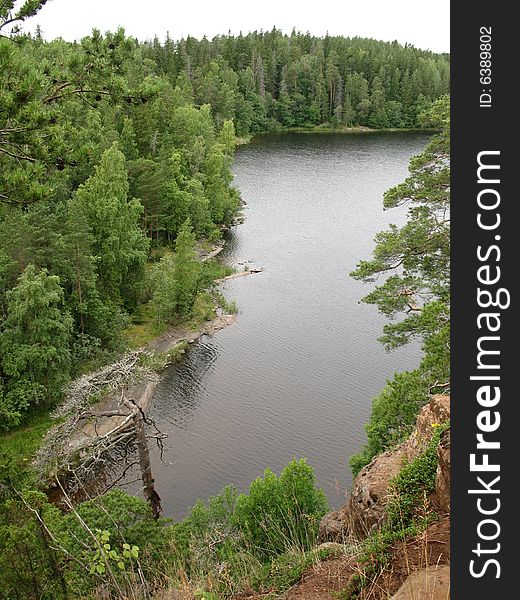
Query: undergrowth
<point>407,514</point>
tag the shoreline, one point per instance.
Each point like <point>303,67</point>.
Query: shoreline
<point>356,130</point>
<point>102,417</point>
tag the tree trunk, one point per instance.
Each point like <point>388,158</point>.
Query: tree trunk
<point>146,467</point>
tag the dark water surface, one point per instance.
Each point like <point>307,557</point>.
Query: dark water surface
<point>295,374</point>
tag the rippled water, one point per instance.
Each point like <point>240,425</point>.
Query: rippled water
<point>294,376</point>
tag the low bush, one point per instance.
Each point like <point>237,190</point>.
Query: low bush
<point>233,541</point>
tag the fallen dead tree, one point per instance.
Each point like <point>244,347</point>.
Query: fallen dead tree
<point>101,423</point>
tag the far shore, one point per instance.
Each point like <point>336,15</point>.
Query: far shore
<point>357,130</point>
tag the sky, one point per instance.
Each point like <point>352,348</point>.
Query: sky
<point>423,23</point>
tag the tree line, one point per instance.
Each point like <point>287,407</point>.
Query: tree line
<point>264,80</point>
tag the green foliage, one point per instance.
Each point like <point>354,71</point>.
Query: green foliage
<point>260,538</point>
<point>102,158</point>
<point>283,510</point>
<point>17,449</point>
<point>415,258</point>
<point>126,518</point>
<point>264,80</point>
<point>407,514</point>
<point>29,564</point>
<point>176,279</point>
<point>393,416</point>
<point>106,554</point>
<point>410,489</point>
<point>118,245</point>
<point>34,345</point>
<point>414,261</point>
<point>112,541</point>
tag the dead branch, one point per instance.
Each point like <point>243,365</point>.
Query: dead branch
<point>87,440</point>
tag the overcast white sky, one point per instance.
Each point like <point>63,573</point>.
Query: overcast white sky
<point>423,23</point>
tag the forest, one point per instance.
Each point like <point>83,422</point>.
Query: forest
<point>115,177</point>
<point>110,146</point>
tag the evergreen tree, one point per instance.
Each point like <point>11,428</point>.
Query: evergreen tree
<point>415,262</point>
<point>416,256</point>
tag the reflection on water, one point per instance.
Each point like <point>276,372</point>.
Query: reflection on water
<point>295,375</point>
<point>183,386</point>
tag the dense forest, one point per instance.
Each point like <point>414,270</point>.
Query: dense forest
<point>265,80</point>
<point>115,177</point>
<point>109,146</point>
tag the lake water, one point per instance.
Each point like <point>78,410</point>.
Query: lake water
<point>295,374</point>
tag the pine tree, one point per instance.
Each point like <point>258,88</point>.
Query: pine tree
<point>416,256</point>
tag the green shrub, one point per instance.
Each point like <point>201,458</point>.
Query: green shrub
<point>228,543</point>
<point>29,565</point>
<point>407,512</point>
<point>394,412</point>
<point>127,518</point>
<point>212,269</point>
<point>412,485</point>
<point>282,512</point>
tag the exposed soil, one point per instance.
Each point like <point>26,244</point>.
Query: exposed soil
<point>322,580</point>
<point>430,548</point>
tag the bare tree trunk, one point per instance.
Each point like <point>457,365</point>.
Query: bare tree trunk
<point>146,467</point>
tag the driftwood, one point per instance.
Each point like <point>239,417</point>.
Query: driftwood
<point>144,460</point>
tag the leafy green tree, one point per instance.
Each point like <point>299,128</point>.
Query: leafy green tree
<point>176,279</point>
<point>118,244</point>
<point>35,343</point>
<point>187,270</point>
<point>97,323</point>
<point>217,170</point>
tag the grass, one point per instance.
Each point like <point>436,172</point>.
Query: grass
<point>143,328</point>
<point>408,513</point>
<point>157,361</point>
<point>22,442</point>
<point>204,309</point>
